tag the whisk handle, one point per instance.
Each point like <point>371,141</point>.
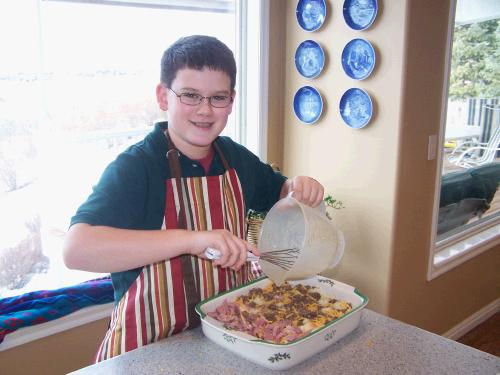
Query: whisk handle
<point>213,254</point>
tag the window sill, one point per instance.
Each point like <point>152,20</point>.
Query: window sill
<point>78,318</point>
<point>450,254</point>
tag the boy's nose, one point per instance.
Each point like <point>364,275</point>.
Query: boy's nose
<point>204,105</point>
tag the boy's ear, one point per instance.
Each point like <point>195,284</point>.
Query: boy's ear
<point>162,96</point>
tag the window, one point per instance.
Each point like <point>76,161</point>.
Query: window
<point>77,86</point>
<point>468,214</point>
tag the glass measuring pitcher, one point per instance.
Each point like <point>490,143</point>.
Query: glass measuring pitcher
<point>291,224</point>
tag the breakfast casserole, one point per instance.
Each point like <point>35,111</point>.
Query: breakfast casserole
<point>280,314</point>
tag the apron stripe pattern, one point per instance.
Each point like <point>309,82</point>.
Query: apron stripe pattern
<point>155,305</point>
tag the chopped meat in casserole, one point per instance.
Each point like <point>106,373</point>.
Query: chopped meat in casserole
<point>280,314</point>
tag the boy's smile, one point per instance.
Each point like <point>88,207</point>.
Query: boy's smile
<point>193,128</point>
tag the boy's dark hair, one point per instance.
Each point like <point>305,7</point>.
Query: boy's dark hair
<point>197,52</point>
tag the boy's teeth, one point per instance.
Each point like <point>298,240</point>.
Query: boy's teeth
<point>202,124</point>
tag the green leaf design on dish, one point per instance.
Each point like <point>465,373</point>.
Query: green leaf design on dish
<point>229,338</point>
<point>329,336</point>
<point>326,281</point>
<point>278,357</point>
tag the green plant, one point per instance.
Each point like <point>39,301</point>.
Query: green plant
<point>332,203</point>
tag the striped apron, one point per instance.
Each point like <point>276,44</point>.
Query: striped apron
<point>161,301</point>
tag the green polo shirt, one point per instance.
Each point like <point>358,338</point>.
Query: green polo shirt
<point>131,192</point>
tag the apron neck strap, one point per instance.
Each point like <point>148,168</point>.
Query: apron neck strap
<point>221,155</point>
<point>175,168</point>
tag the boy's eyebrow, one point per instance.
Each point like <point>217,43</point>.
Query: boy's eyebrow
<point>227,92</point>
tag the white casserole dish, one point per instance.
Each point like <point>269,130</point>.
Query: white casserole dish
<point>283,356</point>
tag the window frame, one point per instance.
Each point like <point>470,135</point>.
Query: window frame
<point>450,252</point>
<point>254,17</point>
<point>259,93</point>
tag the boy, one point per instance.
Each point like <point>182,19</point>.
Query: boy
<point>165,200</point>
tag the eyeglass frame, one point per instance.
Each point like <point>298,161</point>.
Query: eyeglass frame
<point>209,98</point>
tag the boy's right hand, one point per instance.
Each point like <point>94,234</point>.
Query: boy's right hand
<point>233,249</point>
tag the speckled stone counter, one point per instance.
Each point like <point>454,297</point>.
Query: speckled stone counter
<point>379,345</point>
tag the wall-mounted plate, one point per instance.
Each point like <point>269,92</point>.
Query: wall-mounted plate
<point>309,59</point>
<point>308,104</point>
<point>356,108</point>
<point>360,14</point>
<point>358,59</point>
<point>311,14</point>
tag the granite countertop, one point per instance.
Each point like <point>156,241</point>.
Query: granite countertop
<point>379,345</point>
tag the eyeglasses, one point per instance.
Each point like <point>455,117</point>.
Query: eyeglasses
<point>191,98</point>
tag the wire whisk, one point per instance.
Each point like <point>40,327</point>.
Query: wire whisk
<point>283,258</point>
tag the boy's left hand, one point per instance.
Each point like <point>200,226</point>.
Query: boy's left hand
<point>305,189</point>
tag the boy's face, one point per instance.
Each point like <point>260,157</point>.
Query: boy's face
<point>194,128</point>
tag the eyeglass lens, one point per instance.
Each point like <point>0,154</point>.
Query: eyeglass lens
<point>218,101</point>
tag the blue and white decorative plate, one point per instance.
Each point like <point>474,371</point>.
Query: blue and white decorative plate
<point>360,14</point>
<point>308,104</point>
<point>311,14</point>
<point>358,58</point>
<point>309,59</point>
<point>356,108</point>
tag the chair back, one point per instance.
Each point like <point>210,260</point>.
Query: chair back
<point>491,148</point>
